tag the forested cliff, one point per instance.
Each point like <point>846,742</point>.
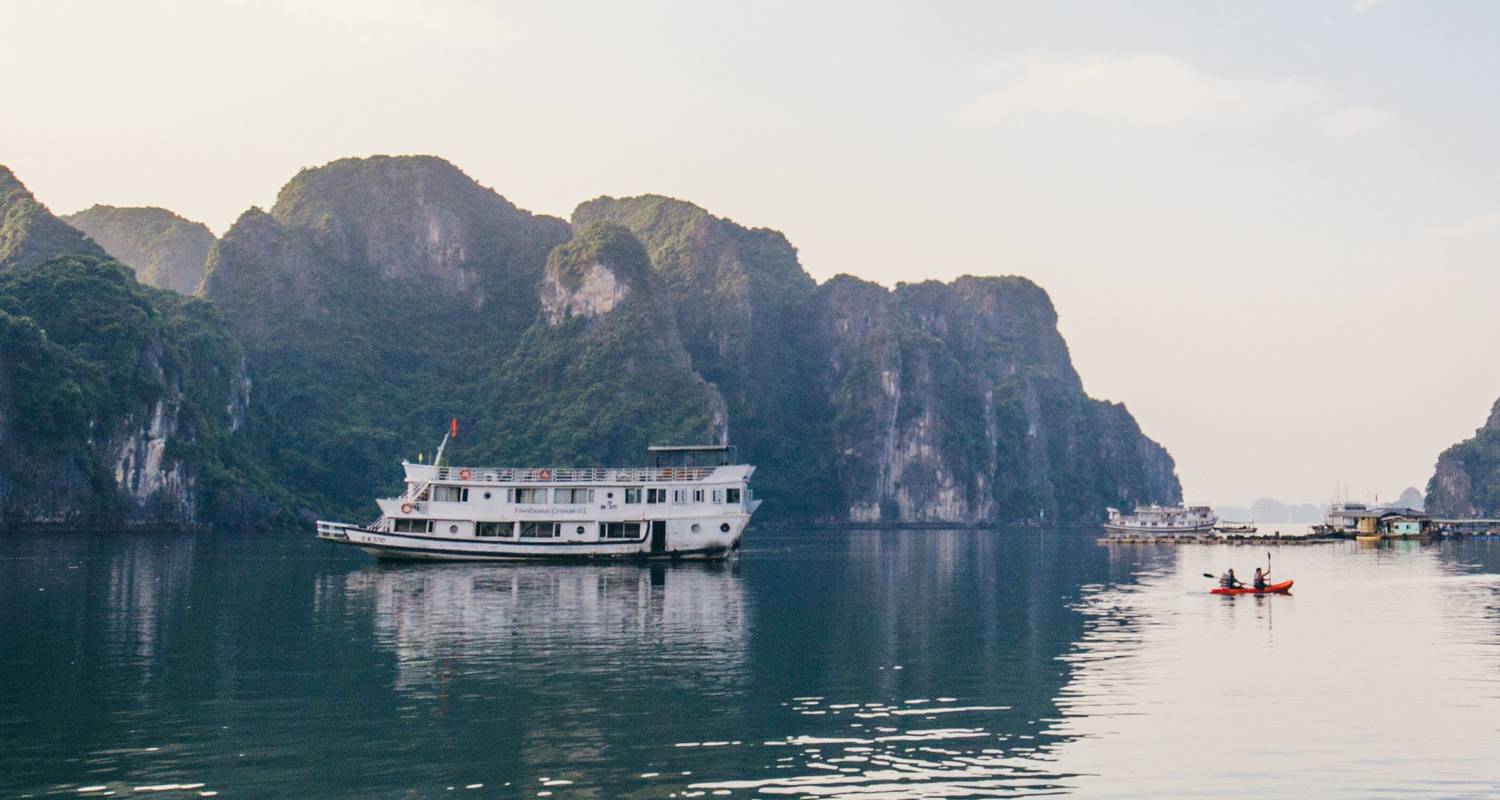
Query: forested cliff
<point>119,404</point>
<point>1466,480</point>
<point>340,330</point>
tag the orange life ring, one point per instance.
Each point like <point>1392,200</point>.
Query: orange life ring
<point>544,474</point>
<point>465,474</point>
<point>406,508</point>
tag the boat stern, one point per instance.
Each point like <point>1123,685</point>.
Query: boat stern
<point>335,531</point>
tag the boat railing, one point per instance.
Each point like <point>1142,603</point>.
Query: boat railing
<point>573,474</point>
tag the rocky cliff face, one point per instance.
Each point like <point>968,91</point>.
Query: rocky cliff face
<point>957,403</point>
<point>382,296</point>
<point>420,221</point>
<point>602,373</point>
<point>935,403</point>
<point>739,295</point>
<point>165,250</point>
<point>1465,482</point>
<point>118,407</point>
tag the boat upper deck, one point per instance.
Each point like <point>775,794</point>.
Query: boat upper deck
<point>574,475</point>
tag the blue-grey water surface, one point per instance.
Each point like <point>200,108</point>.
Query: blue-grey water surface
<point>818,664</point>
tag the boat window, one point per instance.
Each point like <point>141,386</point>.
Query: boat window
<point>414,526</point>
<point>731,495</point>
<point>619,530</point>
<point>450,494</point>
<point>572,496</point>
<point>697,495</point>
<point>679,495</point>
<point>632,496</point>
<point>531,495</point>
<point>492,529</point>
<point>538,530</point>
<point>656,495</point>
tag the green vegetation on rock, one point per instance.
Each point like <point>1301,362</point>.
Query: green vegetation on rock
<point>119,402</point>
<point>29,233</point>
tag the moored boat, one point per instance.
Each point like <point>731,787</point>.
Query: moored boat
<point>1157,519</point>
<point>693,502</point>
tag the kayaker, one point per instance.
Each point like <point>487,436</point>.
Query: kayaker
<point>1228,581</point>
<point>1259,581</point>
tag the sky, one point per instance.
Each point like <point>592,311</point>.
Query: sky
<point>1269,228</point>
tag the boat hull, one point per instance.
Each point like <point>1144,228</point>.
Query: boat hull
<point>389,546</point>
<point>1182,530</point>
<point>1276,588</point>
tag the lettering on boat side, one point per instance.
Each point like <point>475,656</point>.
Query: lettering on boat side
<point>548,509</point>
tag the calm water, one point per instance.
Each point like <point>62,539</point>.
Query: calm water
<point>829,665</point>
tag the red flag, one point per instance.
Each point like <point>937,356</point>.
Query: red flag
<point>453,428</point>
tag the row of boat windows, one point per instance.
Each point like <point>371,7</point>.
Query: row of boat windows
<point>632,495</point>
<point>527,530</point>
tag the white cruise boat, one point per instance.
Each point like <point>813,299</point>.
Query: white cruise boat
<point>1162,520</point>
<point>694,502</point>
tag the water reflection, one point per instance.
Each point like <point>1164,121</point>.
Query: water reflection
<point>932,665</point>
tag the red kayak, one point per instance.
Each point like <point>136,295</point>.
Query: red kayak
<point>1276,588</point>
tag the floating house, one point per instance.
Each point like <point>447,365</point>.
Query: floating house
<point>1389,523</point>
<point>1372,522</point>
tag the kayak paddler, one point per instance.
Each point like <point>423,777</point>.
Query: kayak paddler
<point>1259,581</point>
<point>1228,581</point>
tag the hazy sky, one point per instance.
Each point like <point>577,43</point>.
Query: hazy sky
<point>1269,228</point>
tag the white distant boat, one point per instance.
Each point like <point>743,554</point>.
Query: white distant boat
<point>1162,520</point>
<point>692,503</point>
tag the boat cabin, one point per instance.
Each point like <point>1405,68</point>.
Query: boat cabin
<point>692,455</point>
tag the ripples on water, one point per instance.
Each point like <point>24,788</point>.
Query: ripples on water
<point>828,665</point>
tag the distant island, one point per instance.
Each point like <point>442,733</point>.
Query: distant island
<point>153,375</point>
<point>1267,509</point>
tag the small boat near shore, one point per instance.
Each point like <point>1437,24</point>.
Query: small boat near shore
<point>1161,520</point>
<point>693,502</point>
<point>1235,528</point>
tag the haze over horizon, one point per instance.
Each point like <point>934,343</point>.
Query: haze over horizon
<point>1269,231</point>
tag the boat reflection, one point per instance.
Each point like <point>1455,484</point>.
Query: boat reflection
<point>555,673</point>
<point>505,618</point>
